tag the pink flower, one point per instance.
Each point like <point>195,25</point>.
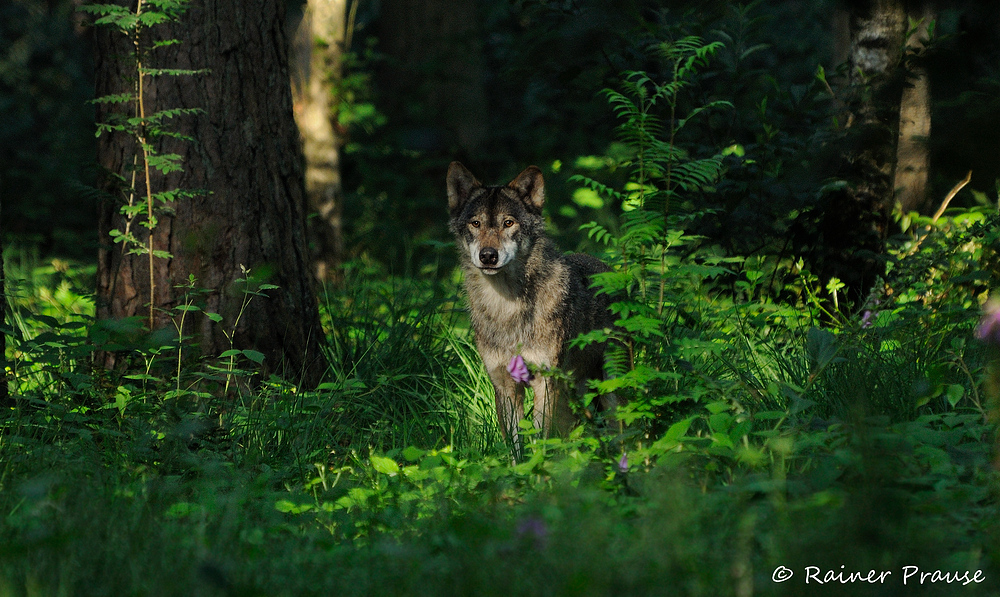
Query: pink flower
<point>989,325</point>
<point>623,463</point>
<point>519,370</point>
<point>866,319</point>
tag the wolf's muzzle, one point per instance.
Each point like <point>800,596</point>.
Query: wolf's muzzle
<point>489,257</point>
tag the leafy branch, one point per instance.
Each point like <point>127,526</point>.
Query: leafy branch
<point>143,125</point>
<point>648,249</point>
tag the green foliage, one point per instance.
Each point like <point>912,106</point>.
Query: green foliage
<point>769,422</point>
<point>653,278</point>
<point>371,484</point>
<point>355,102</point>
<point>435,395</point>
<point>731,381</point>
<point>952,260</point>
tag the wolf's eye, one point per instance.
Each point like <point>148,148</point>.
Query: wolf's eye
<point>508,223</point>
<point>474,223</point>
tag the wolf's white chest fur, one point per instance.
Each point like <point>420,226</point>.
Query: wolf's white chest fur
<point>509,321</point>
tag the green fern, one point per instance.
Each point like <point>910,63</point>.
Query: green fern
<point>653,278</point>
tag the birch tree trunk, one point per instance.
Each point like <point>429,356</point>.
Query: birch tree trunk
<point>855,222</point>
<point>912,151</point>
<point>877,29</point>
<point>245,155</point>
<point>318,42</point>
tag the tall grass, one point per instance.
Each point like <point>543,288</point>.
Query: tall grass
<point>405,368</point>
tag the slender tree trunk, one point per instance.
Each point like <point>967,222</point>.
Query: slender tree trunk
<point>5,401</point>
<point>245,156</point>
<point>877,31</point>
<point>318,42</point>
<point>855,224</point>
<point>912,151</point>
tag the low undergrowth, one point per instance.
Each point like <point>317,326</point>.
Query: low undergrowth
<point>793,447</point>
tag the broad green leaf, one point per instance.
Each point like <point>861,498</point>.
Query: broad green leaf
<point>384,465</point>
<point>255,356</point>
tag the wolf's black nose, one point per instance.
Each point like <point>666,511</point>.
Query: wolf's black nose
<point>489,256</point>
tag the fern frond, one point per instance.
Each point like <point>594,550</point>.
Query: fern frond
<point>597,187</point>
<point>699,110</point>
<point>697,174</point>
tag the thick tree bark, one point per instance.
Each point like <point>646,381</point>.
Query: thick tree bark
<point>245,155</point>
<point>912,151</point>
<point>316,65</point>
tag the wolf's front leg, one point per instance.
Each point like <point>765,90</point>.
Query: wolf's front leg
<point>510,407</point>
<point>552,413</point>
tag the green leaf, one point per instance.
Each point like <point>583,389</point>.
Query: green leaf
<point>141,377</point>
<point>290,507</point>
<point>255,356</point>
<point>954,393</point>
<point>149,18</point>
<point>585,197</point>
<point>821,346</point>
<point>386,466</point>
<point>114,99</point>
<point>165,42</point>
<point>182,509</point>
<point>173,72</point>
<point>413,453</point>
<point>104,9</point>
<point>673,435</point>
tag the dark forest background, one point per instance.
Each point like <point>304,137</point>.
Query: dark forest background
<point>500,85</point>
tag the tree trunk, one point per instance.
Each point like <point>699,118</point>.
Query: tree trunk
<point>5,401</point>
<point>316,50</point>
<point>877,30</point>
<point>855,224</point>
<point>912,151</point>
<point>245,155</point>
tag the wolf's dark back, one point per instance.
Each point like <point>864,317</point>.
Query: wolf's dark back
<point>593,308</point>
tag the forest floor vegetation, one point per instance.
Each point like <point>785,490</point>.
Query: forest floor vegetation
<point>785,448</point>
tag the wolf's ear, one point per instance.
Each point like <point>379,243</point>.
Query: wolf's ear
<point>461,182</point>
<point>530,187</point>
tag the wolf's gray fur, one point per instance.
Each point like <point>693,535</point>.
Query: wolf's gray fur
<point>525,296</point>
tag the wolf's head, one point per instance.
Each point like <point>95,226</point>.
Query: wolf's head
<point>496,224</point>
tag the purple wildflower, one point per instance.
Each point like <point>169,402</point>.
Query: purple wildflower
<point>533,528</point>
<point>519,370</point>
<point>989,325</point>
<point>623,463</point>
<point>867,319</point>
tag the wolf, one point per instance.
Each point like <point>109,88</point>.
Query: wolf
<point>525,297</point>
